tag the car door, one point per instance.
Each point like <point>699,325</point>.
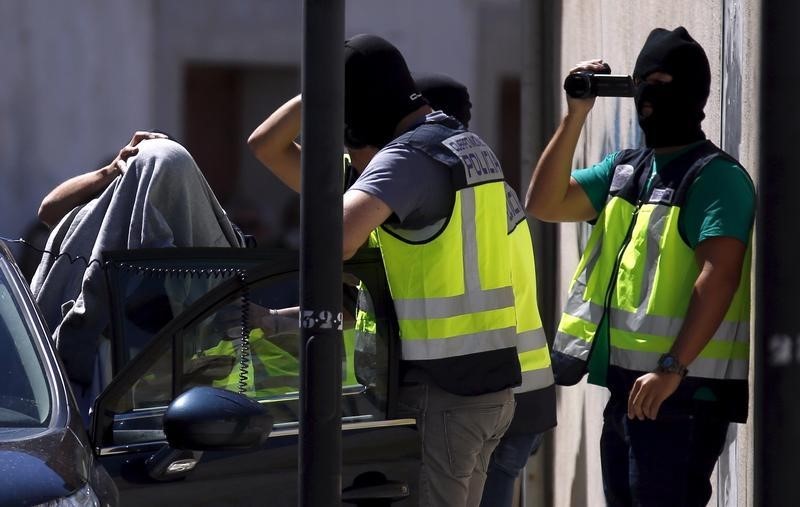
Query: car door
<point>203,345</point>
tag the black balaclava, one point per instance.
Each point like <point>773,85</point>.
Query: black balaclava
<point>378,91</point>
<point>677,106</point>
<point>445,94</point>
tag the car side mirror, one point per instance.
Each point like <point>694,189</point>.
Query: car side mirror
<point>208,418</point>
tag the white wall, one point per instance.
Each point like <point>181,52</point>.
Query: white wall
<point>75,78</point>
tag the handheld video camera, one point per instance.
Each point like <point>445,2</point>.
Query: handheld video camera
<point>583,85</point>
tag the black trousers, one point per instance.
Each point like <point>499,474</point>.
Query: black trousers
<point>666,462</point>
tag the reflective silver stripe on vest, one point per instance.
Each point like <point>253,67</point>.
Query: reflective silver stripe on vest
<point>731,369</point>
<point>576,346</point>
<point>572,346</point>
<point>538,378</point>
<point>531,340</point>
<point>469,242</point>
<point>438,308</point>
<point>657,325</point>
<point>670,326</point>
<point>535,379</point>
<point>484,341</point>
<point>474,299</point>
<point>655,232</point>
<point>575,303</point>
<point>584,310</point>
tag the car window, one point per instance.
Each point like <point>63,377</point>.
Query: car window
<point>24,392</point>
<point>150,287</point>
<point>266,364</point>
<point>209,350</point>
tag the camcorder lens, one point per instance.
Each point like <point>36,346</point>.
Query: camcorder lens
<point>578,85</point>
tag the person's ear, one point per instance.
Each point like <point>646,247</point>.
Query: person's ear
<point>352,140</point>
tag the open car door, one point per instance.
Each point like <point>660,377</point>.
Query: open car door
<point>223,335</point>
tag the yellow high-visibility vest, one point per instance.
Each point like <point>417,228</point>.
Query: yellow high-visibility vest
<point>451,282</point>
<point>639,273</point>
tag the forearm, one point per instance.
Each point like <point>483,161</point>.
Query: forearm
<point>275,321</point>
<point>273,144</point>
<point>75,191</point>
<point>711,297</point>
<point>550,182</point>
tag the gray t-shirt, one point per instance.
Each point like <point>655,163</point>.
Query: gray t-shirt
<point>416,187</point>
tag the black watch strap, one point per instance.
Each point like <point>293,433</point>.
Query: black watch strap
<point>668,363</point>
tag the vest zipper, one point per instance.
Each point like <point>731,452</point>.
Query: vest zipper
<point>612,283</point>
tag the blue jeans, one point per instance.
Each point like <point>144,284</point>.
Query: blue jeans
<point>667,461</point>
<point>508,459</point>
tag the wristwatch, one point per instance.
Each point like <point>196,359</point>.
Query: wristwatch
<point>668,363</point>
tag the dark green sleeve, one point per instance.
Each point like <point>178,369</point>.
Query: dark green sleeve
<point>720,202</point>
<point>596,180</point>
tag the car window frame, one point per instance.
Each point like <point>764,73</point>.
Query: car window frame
<point>277,263</point>
<point>224,261</point>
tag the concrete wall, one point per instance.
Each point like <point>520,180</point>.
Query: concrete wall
<point>75,79</point>
<point>615,31</point>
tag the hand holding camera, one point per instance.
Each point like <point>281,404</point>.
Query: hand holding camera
<point>594,79</point>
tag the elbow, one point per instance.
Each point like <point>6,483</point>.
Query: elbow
<point>533,209</point>
<point>533,206</point>
<point>262,149</point>
<point>46,214</point>
<point>536,209</point>
<point>350,248</point>
<point>545,216</point>
<point>259,144</point>
<point>254,142</point>
<point>348,253</point>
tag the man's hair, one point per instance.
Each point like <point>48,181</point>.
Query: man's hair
<point>676,53</point>
<point>378,89</point>
<point>445,94</point>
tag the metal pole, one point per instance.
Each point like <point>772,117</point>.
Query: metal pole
<point>777,330</point>
<point>322,76</point>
